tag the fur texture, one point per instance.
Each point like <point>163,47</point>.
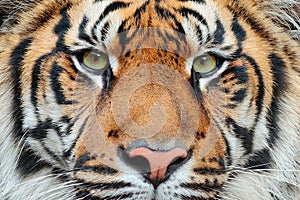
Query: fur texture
<point>61,128</point>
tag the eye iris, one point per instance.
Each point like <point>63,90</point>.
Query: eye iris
<point>95,57</point>
<point>205,64</point>
<point>95,60</point>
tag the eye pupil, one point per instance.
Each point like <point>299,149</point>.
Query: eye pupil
<point>96,57</point>
<point>203,60</point>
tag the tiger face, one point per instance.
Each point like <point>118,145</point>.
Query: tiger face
<point>149,100</point>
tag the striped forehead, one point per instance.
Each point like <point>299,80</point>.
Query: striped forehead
<point>100,23</point>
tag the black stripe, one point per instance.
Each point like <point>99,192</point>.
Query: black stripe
<point>219,33</point>
<point>82,31</point>
<point>87,195</point>
<point>274,196</point>
<point>242,133</point>
<point>70,122</point>
<point>61,29</point>
<point>103,186</point>
<point>68,152</point>
<point>101,169</point>
<point>40,131</point>
<point>207,186</point>
<point>65,119</point>
<point>238,30</point>
<point>240,35</point>
<point>29,162</point>
<point>123,35</point>
<point>195,83</point>
<point>185,197</point>
<point>56,85</point>
<point>121,196</point>
<point>252,20</point>
<point>137,14</point>
<point>104,31</point>
<point>107,80</point>
<point>16,61</point>
<point>83,159</point>
<point>79,165</point>
<point>279,85</point>
<point>35,81</point>
<point>186,11</point>
<point>3,17</point>
<point>209,171</point>
<point>226,48</point>
<point>239,96</point>
<point>122,29</point>
<point>261,87</point>
<point>52,154</point>
<point>228,148</point>
<point>84,194</point>
<point>260,160</point>
<point>97,169</point>
<point>168,15</point>
<point>199,34</point>
<point>110,8</point>
<point>239,72</point>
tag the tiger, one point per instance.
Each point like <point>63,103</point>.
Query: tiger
<point>149,99</point>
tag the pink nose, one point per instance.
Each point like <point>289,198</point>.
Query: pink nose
<point>158,161</point>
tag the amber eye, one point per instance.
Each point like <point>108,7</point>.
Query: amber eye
<point>205,64</point>
<point>95,60</point>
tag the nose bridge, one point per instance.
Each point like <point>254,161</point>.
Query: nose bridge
<point>155,100</point>
<point>154,103</point>
<point>157,105</point>
<point>134,58</point>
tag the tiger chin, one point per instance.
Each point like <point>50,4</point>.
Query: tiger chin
<point>150,99</point>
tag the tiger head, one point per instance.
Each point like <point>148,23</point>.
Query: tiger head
<point>150,99</point>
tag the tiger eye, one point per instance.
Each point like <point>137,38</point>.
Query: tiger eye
<point>95,60</point>
<point>205,64</point>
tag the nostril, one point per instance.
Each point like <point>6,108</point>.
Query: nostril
<point>138,163</point>
<point>177,161</point>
